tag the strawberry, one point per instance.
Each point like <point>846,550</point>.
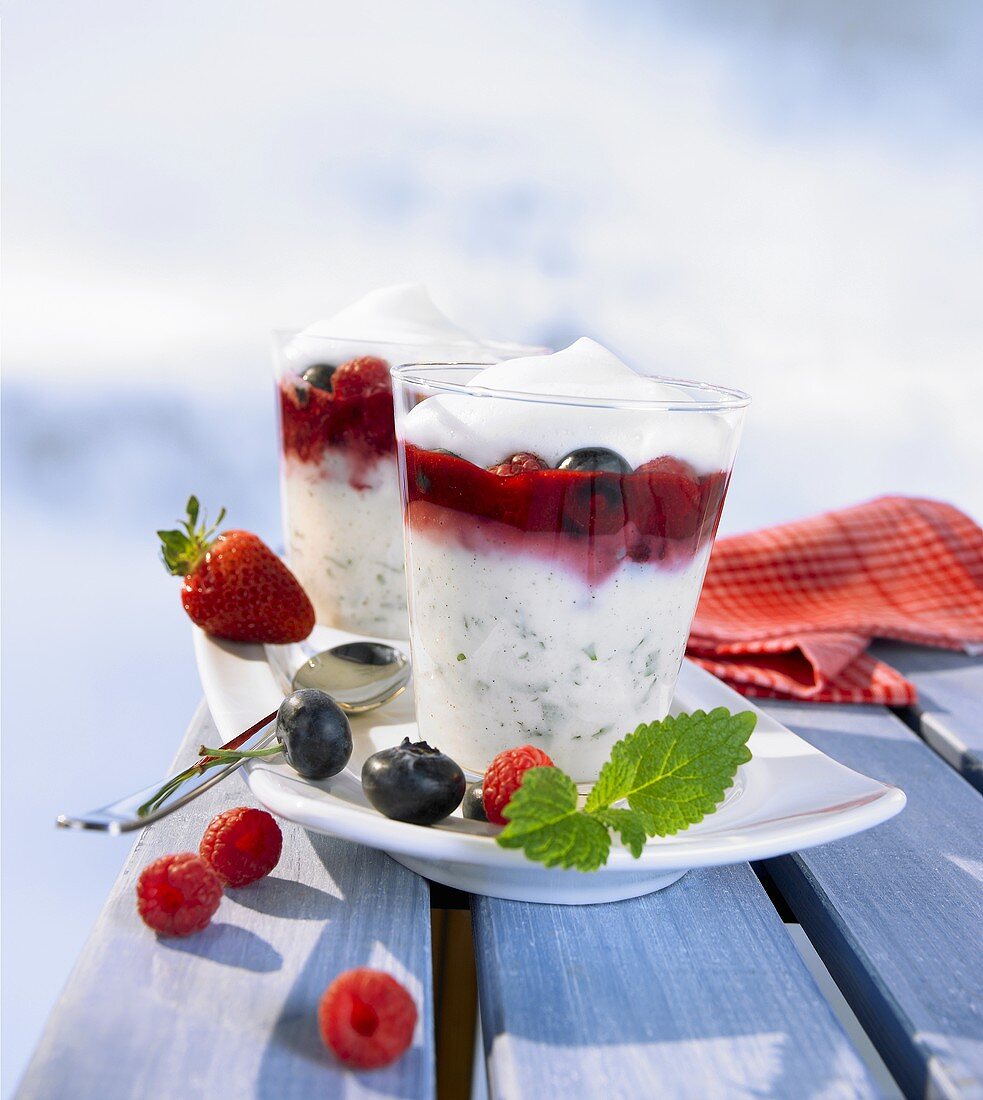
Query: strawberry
<point>666,498</point>
<point>668,465</point>
<point>235,587</point>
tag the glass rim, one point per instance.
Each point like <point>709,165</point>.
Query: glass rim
<point>514,350</point>
<point>727,399</point>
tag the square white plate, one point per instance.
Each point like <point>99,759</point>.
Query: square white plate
<point>789,796</point>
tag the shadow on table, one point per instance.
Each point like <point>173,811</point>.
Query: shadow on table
<point>696,986</point>
<point>931,849</point>
<point>297,1063</point>
<point>909,659</point>
<point>699,981</point>
<point>228,945</point>
<point>281,897</point>
<point>895,911</point>
<point>371,919</point>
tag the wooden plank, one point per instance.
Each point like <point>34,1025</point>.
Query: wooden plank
<point>231,1012</point>
<point>695,991</point>
<point>896,912</point>
<point>949,712</point>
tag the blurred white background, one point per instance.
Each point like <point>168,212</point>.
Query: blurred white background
<point>783,196</point>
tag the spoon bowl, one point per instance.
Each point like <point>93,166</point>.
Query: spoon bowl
<point>359,676</point>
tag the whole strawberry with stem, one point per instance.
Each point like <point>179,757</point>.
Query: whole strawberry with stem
<point>235,587</point>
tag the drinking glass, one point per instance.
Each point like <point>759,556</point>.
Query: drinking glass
<point>552,606</point>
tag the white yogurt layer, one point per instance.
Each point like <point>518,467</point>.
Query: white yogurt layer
<point>487,429</point>
<point>509,651</point>
<point>345,545</point>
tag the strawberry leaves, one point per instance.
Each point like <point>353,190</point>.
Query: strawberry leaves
<point>183,548</point>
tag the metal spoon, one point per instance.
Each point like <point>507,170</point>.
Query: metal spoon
<point>359,676</point>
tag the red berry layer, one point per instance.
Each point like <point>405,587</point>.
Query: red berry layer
<point>662,513</point>
<point>356,414</point>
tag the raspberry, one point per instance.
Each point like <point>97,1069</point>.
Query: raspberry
<point>667,464</point>
<point>504,776</point>
<point>178,894</point>
<point>241,845</point>
<point>522,463</point>
<point>361,378</point>
<point>366,1018</point>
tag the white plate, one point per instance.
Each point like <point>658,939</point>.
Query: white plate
<point>789,796</point>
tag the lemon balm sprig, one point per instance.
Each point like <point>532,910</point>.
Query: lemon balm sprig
<point>662,778</point>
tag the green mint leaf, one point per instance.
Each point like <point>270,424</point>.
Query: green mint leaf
<point>617,775</point>
<point>543,820</point>
<point>671,774</point>
<point>675,771</point>
<point>633,826</point>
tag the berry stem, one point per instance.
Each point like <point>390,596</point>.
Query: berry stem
<point>206,762</point>
<point>161,796</point>
<point>226,755</point>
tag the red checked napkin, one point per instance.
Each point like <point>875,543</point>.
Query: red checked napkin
<point>788,613</point>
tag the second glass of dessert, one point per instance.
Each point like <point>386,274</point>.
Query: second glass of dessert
<point>559,513</point>
<point>340,501</point>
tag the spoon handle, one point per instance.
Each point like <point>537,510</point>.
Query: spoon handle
<point>127,814</point>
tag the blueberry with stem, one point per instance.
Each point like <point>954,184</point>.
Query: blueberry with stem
<point>312,732</point>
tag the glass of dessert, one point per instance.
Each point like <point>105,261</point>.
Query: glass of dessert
<point>338,479</point>
<point>559,513</point>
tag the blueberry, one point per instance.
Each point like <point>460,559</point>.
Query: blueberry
<point>319,376</point>
<point>594,460</point>
<point>315,734</point>
<point>473,806</point>
<point>413,782</point>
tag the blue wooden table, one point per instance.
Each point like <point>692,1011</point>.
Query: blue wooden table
<point>696,991</point>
